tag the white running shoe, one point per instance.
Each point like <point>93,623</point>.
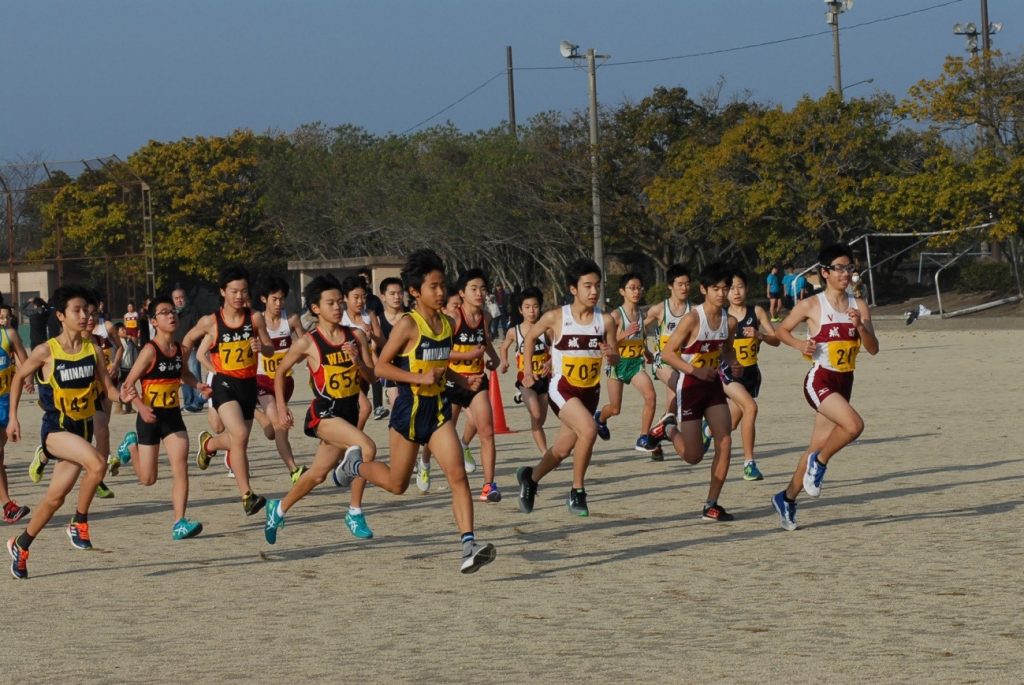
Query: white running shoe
<point>423,476</point>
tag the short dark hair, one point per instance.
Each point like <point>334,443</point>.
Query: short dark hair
<point>162,298</point>
<point>736,273</point>
<point>232,272</point>
<point>64,294</point>
<point>715,272</point>
<point>531,293</point>
<point>93,297</point>
<point>830,253</point>
<point>789,265</point>
<point>316,288</point>
<point>630,276</point>
<point>450,291</point>
<point>470,275</point>
<point>675,271</point>
<point>388,282</point>
<point>275,284</point>
<point>351,283</point>
<point>580,268</point>
<point>418,265</point>
<point>117,326</point>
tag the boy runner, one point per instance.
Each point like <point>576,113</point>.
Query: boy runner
<point>632,346</point>
<point>238,335</point>
<point>699,344</point>
<point>68,366</point>
<point>838,325</point>
<point>582,335</point>
<point>162,368</point>
<point>339,363</point>
<point>752,328</point>
<point>11,349</point>
<point>536,397</point>
<point>392,296</point>
<point>104,337</point>
<point>282,329</point>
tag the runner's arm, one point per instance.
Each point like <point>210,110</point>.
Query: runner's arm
<point>801,312</point>
<point>402,334</point>
<point>766,331</point>
<point>865,328</point>
<point>205,326</point>
<point>364,359</point>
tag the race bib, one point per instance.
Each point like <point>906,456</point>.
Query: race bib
<point>582,372</point>
<point>842,355</point>
<point>746,350</point>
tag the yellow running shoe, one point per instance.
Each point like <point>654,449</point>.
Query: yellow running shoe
<point>35,469</point>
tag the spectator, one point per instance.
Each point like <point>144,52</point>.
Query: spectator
<point>788,300</point>
<point>501,299</point>
<point>491,306</point>
<point>373,302</point>
<point>188,317</point>
<point>37,312</point>
<point>774,282</point>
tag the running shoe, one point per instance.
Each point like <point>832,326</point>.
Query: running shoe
<point>381,413</point>
<point>467,458</point>
<point>423,476</point>
<point>518,397</point>
<point>646,443</point>
<point>705,433</point>
<point>297,473</point>
<point>490,493</point>
<point>103,492</point>
<point>602,427</point>
<point>185,529</point>
<point>786,510</point>
<point>19,559</point>
<point>78,533</point>
<point>751,472</point>
<point>577,502</point>
<point>252,502</point>
<point>35,469</point>
<point>113,465</point>
<point>124,452</point>
<point>527,488</point>
<point>657,454</point>
<point>357,526</point>
<point>814,474</point>
<point>348,468</point>
<point>14,512</point>
<point>715,512</point>
<point>274,521</point>
<point>202,456</point>
<point>475,556</point>
<point>658,430</point>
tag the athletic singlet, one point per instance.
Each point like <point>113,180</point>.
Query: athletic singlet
<point>6,361</point>
<point>706,349</point>
<point>541,353</point>
<point>576,355</point>
<point>337,377</point>
<point>71,381</point>
<point>747,348</point>
<point>282,339</point>
<point>161,381</point>
<point>632,346</point>
<point>101,337</point>
<point>386,326</point>
<point>131,322</point>
<point>467,339</point>
<point>668,323</point>
<point>364,318</point>
<point>231,352</point>
<point>430,351</point>
<point>837,341</point>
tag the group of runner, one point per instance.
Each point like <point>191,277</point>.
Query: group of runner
<point>432,359</point>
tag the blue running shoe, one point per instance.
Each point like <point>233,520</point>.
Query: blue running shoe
<point>705,432</point>
<point>357,526</point>
<point>602,427</point>
<point>78,533</point>
<point>814,474</point>
<point>19,559</point>
<point>787,510</point>
<point>646,443</point>
<point>185,529</point>
<point>274,521</point>
<point>751,472</point>
<point>124,449</point>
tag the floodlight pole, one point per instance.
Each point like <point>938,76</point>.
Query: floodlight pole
<point>13,275</point>
<point>511,93</point>
<point>595,171</point>
<point>835,8</point>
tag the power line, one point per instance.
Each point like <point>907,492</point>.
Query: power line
<point>692,55</point>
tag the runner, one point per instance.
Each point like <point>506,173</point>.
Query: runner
<point>666,316</point>
<point>471,342</point>
<point>632,346</point>
<point>356,315</point>
<point>11,352</point>
<point>282,329</point>
<point>536,397</point>
<point>238,335</point>
<point>339,361</point>
<point>162,368</point>
<point>68,365</point>
<point>752,328</point>
<point>582,335</point>
<point>104,337</point>
<point>838,325</point>
<point>704,337</point>
<point>131,322</point>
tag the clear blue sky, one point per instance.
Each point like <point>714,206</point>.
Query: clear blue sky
<point>91,78</point>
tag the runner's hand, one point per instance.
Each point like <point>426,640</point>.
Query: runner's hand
<point>204,390</point>
<point>13,430</point>
<point>147,414</point>
<point>475,381</point>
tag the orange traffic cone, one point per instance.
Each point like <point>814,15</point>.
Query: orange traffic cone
<point>497,407</point>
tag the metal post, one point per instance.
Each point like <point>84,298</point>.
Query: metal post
<point>511,93</point>
<point>595,180</point>
<point>13,274</point>
<point>986,41</point>
<point>871,283</point>
<point>835,56</point>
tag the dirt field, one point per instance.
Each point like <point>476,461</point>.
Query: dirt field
<point>907,569</point>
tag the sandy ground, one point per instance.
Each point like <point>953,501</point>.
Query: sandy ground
<point>907,569</point>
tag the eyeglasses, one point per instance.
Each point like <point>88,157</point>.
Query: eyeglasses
<point>848,268</point>
<point>164,312</point>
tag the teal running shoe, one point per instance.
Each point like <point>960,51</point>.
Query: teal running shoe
<point>186,528</point>
<point>274,521</point>
<point>751,472</point>
<point>124,449</point>
<point>357,526</point>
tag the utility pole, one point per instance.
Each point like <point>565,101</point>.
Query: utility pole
<point>511,93</point>
<point>835,8</point>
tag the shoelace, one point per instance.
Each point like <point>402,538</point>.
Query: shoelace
<point>21,560</point>
<point>83,530</point>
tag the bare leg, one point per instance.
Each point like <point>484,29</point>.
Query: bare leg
<point>234,438</point>
<point>538,408</point>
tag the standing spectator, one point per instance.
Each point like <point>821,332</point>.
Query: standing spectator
<point>145,327</point>
<point>491,305</point>
<point>774,281</point>
<point>798,288</point>
<point>373,302</point>
<point>37,312</point>
<point>131,323</point>
<point>188,317</point>
<point>501,299</point>
<point>788,300</point>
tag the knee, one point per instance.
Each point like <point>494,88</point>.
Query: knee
<point>856,427</point>
<point>56,501</point>
<point>148,479</point>
<point>318,476</point>
<point>724,446</point>
<point>610,411</point>
<point>588,434</point>
<point>269,432</point>
<point>96,468</point>
<point>399,488</point>
<point>750,410</point>
<point>485,432</point>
